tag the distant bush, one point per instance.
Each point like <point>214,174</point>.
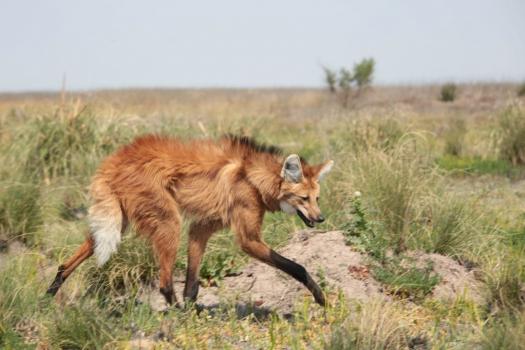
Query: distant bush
<point>363,72</point>
<point>511,135</point>
<point>448,92</point>
<point>521,90</point>
<point>342,83</point>
<point>330,79</point>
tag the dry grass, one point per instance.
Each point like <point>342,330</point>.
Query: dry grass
<point>388,146</point>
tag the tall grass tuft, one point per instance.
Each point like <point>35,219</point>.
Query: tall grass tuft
<point>18,294</point>
<point>507,332</point>
<point>504,275</point>
<point>81,326</point>
<point>392,183</point>
<point>455,137</point>
<point>20,211</point>
<point>451,225</point>
<point>374,325</point>
<point>511,135</point>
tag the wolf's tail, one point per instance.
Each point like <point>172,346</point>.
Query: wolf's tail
<point>106,221</point>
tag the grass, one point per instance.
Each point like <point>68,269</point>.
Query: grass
<point>511,136</point>
<point>403,161</point>
<point>403,278</point>
<point>476,165</point>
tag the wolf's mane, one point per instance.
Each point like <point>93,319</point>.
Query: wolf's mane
<point>250,143</point>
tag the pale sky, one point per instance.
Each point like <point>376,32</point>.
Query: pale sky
<point>245,43</point>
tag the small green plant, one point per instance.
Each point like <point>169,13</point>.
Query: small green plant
<point>217,266</point>
<point>359,232</point>
<point>448,92</point>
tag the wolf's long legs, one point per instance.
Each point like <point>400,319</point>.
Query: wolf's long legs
<point>82,253</point>
<point>199,234</point>
<point>261,251</point>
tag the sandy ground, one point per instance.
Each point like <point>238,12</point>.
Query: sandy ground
<point>331,262</point>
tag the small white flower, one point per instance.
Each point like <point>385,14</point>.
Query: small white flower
<point>357,194</point>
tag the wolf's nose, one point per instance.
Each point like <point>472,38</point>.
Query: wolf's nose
<point>320,218</point>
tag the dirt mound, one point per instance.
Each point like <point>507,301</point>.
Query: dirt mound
<point>331,262</point>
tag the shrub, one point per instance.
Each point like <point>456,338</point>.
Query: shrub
<point>361,76</point>
<point>363,72</point>
<point>448,92</point>
<point>511,135</point>
<point>521,90</point>
<point>345,85</point>
<point>330,79</point>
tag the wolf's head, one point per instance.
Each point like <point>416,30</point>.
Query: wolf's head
<point>299,193</point>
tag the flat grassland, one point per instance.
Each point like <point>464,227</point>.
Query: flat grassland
<point>433,177</point>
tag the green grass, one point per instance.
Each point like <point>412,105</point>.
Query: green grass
<point>478,166</point>
<point>403,278</point>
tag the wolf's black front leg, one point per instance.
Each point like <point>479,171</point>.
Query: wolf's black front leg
<point>299,273</point>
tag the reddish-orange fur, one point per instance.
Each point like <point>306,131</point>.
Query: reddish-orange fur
<point>226,183</point>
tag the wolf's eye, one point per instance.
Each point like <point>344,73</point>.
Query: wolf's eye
<point>304,198</point>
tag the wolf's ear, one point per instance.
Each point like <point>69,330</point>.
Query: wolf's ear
<point>324,169</point>
<point>292,170</point>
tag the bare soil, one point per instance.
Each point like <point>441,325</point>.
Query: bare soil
<point>333,264</point>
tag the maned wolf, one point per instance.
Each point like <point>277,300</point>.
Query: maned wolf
<point>230,182</point>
